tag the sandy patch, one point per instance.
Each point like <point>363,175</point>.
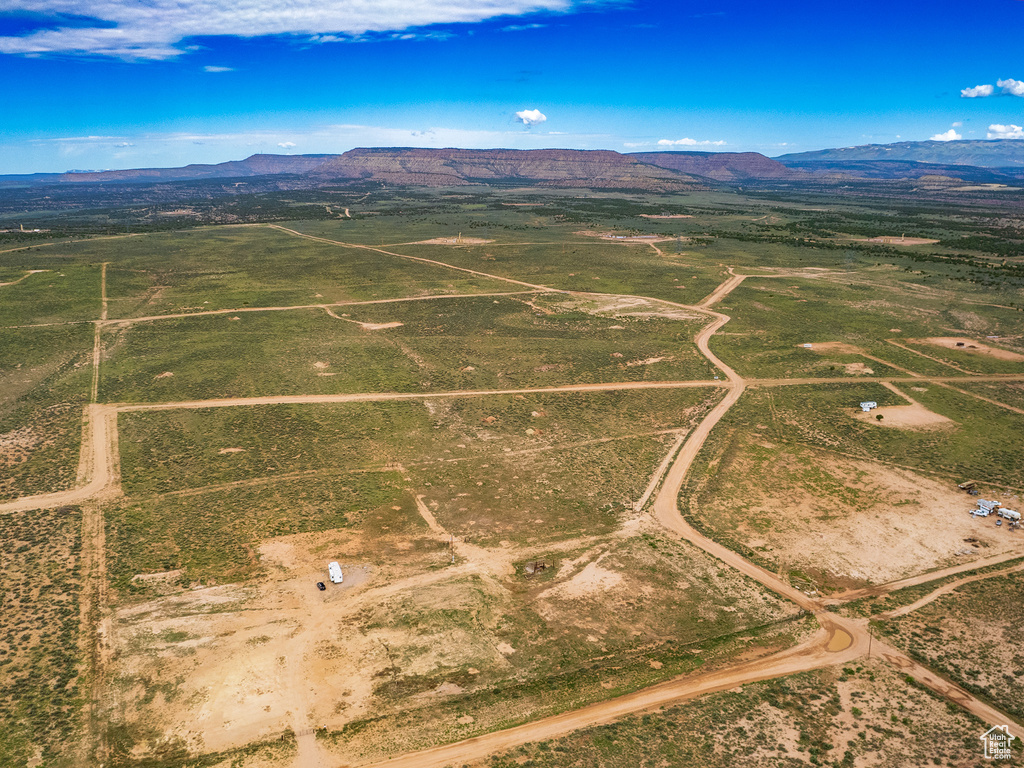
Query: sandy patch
<point>148,578</point>
<point>913,417</point>
<point>454,241</point>
<point>590,581</point>
<point>855,369</point>
<point>648,361</point>
<point>619,238</point>
<point>824,347</point>
<point>666,216</point>
<point>222,451</point>
<point>971,346</point>
<point>896,240</point>
<point>380,326</point>
<point>164,375</point>
<point>320,365</point>
<point>858,521</point>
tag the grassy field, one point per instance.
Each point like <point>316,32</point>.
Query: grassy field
<point>44,384</point>
<point>232,267</point>
<point>864,714</point>
<point>972,636</point>
<point>212,536</point>
<point>68,291</point>
<point>486,343</point>
<point>41,694</point>
<point>307,468</point>
<point>164,451</point>
<point>772,319</point>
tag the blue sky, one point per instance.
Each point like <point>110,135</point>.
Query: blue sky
<point>120,84</point>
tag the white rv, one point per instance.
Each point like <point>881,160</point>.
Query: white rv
<point>334,570</point>
<point>1009,514</point>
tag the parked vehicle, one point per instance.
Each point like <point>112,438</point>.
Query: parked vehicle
<point>321,586</point>
<point>334,570</point>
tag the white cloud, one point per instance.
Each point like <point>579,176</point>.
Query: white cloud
<point>530,117</point>
<point>522,27</point>
<point>155,29</point>
<point>958,124</point>
<point>286,144</point>
<point>209,68</point>
<point>1011,87</point>
<point>977,92</point>
<point>950,135</point>
<point>996,131</point>
<point>689,143</point>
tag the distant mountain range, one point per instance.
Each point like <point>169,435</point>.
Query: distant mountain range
<point>416,167</point>
<point>976,161</point>
<point>997,153</point>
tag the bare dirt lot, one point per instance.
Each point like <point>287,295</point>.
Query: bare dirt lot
<point>224,666</point>
<point>915,417</point>
<point>971,347</point>
<point>839,347</point>
<point>850,521</point>
<point>459,240</point>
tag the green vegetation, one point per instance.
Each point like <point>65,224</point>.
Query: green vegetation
<point>453,344</point>
<point>174,450</point>
<point>44,385</point>
<point>68,291</point>
<point>213,536</point>
<point>857,715</point>
<point>41,694</point>
<point>872,606</point>
<point>971,635</point>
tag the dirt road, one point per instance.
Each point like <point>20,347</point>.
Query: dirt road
<point>99,461</point>
<point>410,258</point>
<point>809,655</point>
<point>945,589</point>
<point>238,310</point>
<point>922,578</point>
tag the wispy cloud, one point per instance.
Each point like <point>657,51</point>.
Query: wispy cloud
<point>689,143</point>
<point>950,135</point>
<point>156,29</point>
<point>286,144</point>
<point>977,92</point>
<point>522,27</point>
<point>996,131</point>
<point>531,117</point>
<point>210,68</point>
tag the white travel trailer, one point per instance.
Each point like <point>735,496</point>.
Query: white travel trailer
<point>334,570</point>
<point>1009,514</point>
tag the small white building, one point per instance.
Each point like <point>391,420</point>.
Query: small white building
<point>334,570</point>
<point>988,506</point>
<point>808,346</point>
<point>867,405</point>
